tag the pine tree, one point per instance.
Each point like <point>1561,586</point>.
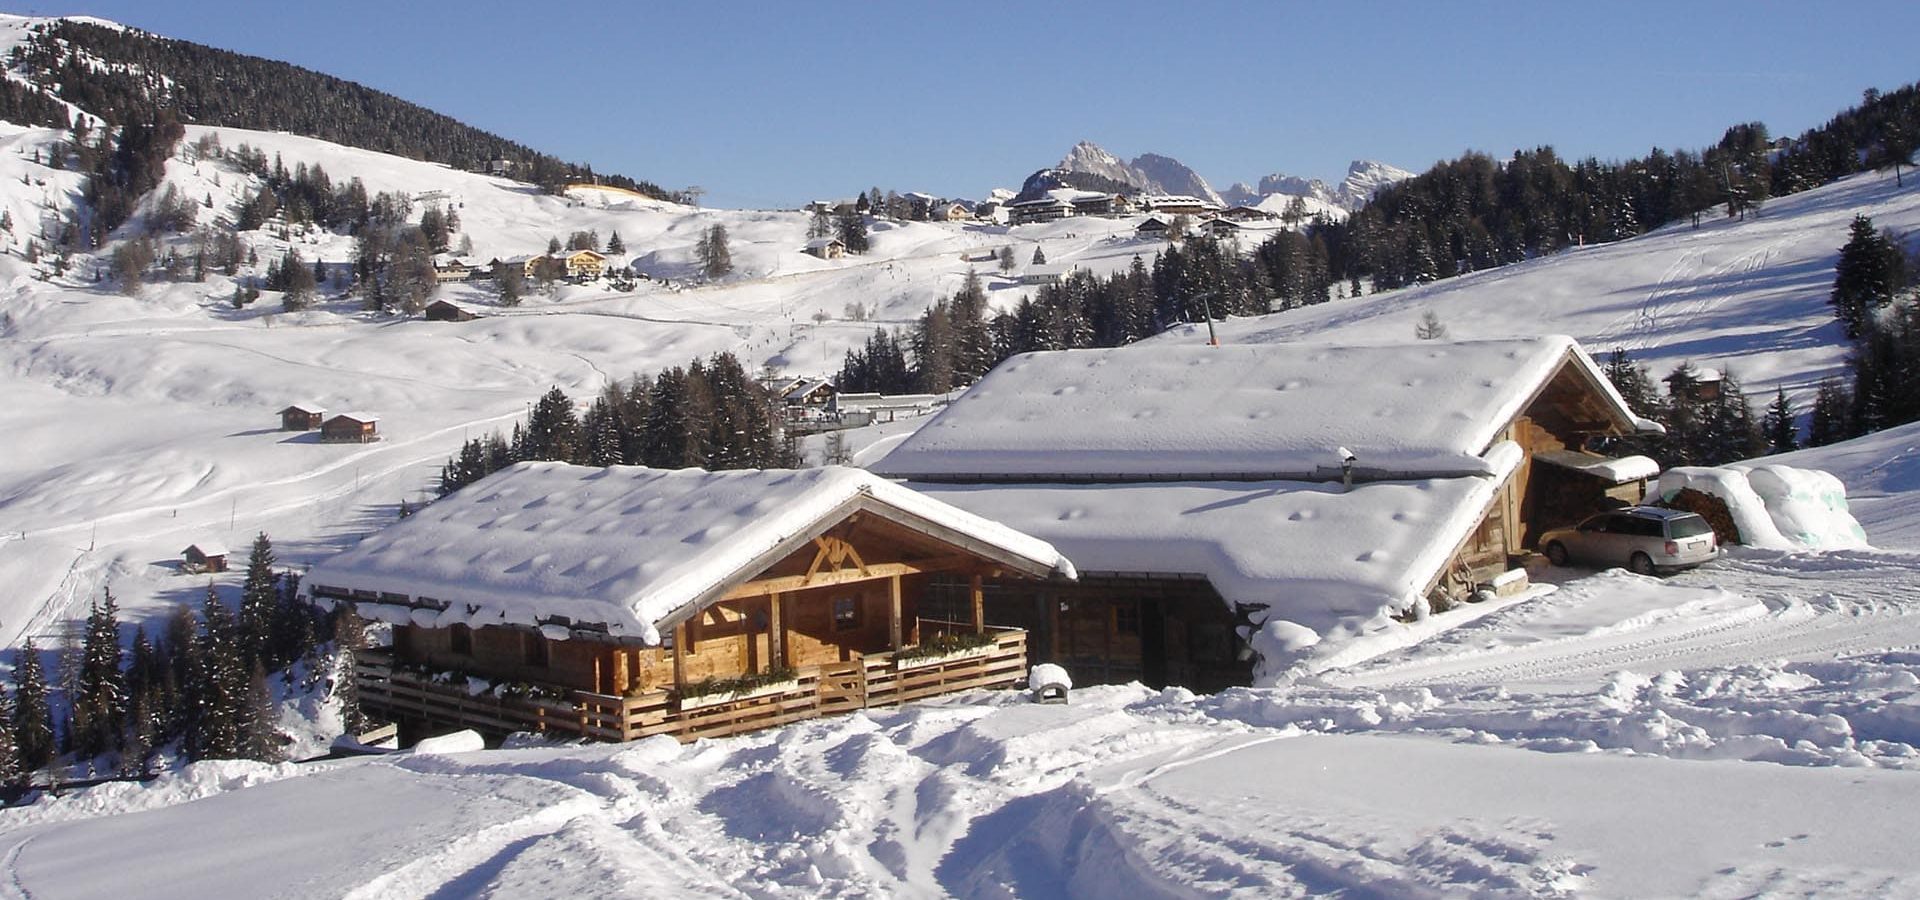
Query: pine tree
<point>1778,424</point>
<point>349,635</point>
<point>1006,259</point>
<point>258,604</point>
<point>1039,256</point>
<point>217,686</point>
<point>1429,328</point>
<point>1866,277</point>
<point>851,229</point>
<point>615,245</point>
<point>553,245</point>
<point>11,771</point>
<point>716,259</point>
<point>256,724</point>
<point>100,703</point>
<point>33,736</point>
<point>552,432</point>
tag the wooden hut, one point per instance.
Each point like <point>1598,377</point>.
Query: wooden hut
<point>302,417</point>
<point>205,556</point>
<point>351,428</point>
<point>448,311</point>
<point>1205,492</point>
<point>624,602</point>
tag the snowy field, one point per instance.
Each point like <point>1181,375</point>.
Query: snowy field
<point>1750,728</point>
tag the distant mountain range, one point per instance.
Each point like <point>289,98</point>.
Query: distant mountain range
<point>1090,167</point>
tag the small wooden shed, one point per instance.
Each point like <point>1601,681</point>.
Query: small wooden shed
<point>302,417</point>
<point>448,311</point>
<point>351,428</point>
<point>205,556</point>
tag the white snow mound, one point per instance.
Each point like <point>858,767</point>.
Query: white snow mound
<point>1776,507</point>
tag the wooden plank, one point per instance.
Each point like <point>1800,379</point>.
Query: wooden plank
<point>776,634</point>
<point>789,583</point>
<point>979,604</point>
<point>680,656</point>
<point>893,612</point>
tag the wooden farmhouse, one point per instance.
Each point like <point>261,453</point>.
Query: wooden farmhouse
<point>351,428</point>
<point>449,311</point>
<point>826,248</point>
<point>625,602</point>
<point>582,265</point>
<point>952,212</point>
<point>205,556</point>
<point>302,417</point>
<point>1154,228</point>
<point>1227,507</point>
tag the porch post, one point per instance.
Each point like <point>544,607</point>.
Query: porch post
<point>893,611</point>
<point>679,655</point>
<point>776,635</point>
<point>979,605</point>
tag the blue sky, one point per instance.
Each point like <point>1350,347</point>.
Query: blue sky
<point>772,104</point>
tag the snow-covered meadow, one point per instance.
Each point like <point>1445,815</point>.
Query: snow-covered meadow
<point>1750,728</point>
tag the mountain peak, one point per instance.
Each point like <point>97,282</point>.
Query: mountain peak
<point>1092,159</point>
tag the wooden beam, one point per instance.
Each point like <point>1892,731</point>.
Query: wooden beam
<point>679,655</point>
<point>874,572</point>
<point>979,605</point>
<point>893,612</point>
<point>776,634</point>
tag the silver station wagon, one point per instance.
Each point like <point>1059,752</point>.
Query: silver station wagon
<point>1646,539</point>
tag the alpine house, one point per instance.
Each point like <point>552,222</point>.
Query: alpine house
<point>1243,512</point>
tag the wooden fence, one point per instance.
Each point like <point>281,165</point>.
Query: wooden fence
<point>873,680</point>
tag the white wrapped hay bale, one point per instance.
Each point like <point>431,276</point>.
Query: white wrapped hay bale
<point>1775,507</point>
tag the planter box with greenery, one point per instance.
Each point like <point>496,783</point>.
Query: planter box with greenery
<point>945,648</point>
<point>716,691</point>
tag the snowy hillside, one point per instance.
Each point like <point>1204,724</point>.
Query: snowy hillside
<point>1750,296</point>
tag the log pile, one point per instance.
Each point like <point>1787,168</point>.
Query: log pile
<point>1709,507</point>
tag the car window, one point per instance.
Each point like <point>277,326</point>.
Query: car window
<point>1595,524</point>
<point>1647,527</point>
<point>1687,526</point>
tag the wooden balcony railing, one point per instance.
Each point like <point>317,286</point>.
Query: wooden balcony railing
<point>873,680</point>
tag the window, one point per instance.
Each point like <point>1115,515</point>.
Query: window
<point>1688,526</point>
<point>846,613</point>
<point>1126,618</point>
<point>461,640</point>
<point>534,646</point>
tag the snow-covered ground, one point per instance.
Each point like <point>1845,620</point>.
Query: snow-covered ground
<point>1750,728</point>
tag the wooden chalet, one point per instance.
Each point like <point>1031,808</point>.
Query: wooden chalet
<point>952,212</point>
<point>626,602</point>
<point>448,311</point>
<point>826,248</point>
<point>1154,228</point>
<point>1695,384</point>
<point>302,417</point>
<point>351,428</point>
<point>202,557</point>
<point>447,267</point>
<point>1206,492</point>
<point>582,265</point>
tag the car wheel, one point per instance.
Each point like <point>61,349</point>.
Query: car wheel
<point>1557,553</point>
<point>1641,564</point>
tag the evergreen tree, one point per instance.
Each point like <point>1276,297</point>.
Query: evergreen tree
<point>1866,277</point>
<point>33,736</point>
<point>1039,256</point>
<point>259,602</point>
<point>12,773</point>
<point>1778,424</point>
<point>851,229</point>
<point>349,636</point>
<point>100,703</point>
<point>256,724</point>
<point>615,245</point>
<point>217,687</point>
<point>1429,327</point>
<point>552,432</point>
<point>716,259</point>
<point>1006,259</point>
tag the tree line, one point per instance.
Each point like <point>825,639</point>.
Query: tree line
<point>200,689</point>
<point>210,86</point>
<point>708,414</point>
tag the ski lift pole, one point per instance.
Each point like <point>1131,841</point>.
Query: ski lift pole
<point>1206,309</point>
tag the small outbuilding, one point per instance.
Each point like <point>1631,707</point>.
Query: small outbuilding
<point>302,417</point>
<point>826,248</point>
<point>449,311</point>
<point>351,428</point>
<point>204,556</point>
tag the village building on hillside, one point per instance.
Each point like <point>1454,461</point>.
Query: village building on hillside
<point>809,395</point>
<point>1247,214</point>
<point>1040,209</point>
<point>1175,204</point>
<point>1154,228</point>
<point>447,267</point>
<point>826,248</point>
<point>582,265</point>
<point>448,311</point>
<point>1249,232</point>
<point>1047,273</point>
<point>625,602</point>
<point>204,557</point>
<point>1229,507</point>
<point>302,417</point>
<point>952,212</point>
<point>1704,384</point>
<point>351,428</point>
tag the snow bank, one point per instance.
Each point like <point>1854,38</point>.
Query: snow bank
<point>1776,507</point>
<point>466,741</point>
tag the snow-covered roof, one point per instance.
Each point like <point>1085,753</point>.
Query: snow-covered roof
<point>308,408</point>
<point>1617,471</point>
<point>1314,554</point>
<point>801,390</point>
<point>637,549</point>
<point>206,548</point>
<point>822,243</point>
<point>357,417</point>
<point>1171,412</point>
<point>1049,270</point>
<point>1041,201</point>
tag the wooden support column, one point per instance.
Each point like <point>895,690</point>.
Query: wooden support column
<point>680,655</point>
<point>979,605</point>
<point>776,634</point>
<point>893,612</point>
